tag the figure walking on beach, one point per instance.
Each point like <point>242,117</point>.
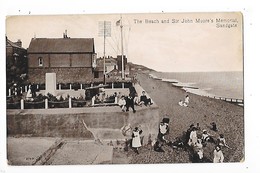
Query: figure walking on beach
<point>136,139</point>
<point>218,155</point>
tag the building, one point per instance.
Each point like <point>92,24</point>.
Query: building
<point>16,62</point>
<point>119,62</point>
<point>70,58</point>
<point>110,65</point>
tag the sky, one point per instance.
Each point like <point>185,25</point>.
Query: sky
<point>163,46</point>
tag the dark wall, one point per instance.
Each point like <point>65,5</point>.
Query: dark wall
<point>60,60</point>
<point>63,74</point>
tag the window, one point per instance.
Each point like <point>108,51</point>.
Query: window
<point>40,61</point>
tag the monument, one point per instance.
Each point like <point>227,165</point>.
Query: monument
<point>50,81</point>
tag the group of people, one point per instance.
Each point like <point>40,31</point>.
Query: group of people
<point>194,141</point>
<point>132,100</point>
<point>198,142</point>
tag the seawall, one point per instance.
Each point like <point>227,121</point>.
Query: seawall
<point>69,123</point>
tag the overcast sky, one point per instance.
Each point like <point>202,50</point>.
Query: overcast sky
<point>168,47</point>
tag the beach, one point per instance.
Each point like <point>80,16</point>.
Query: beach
<point>203,110</point>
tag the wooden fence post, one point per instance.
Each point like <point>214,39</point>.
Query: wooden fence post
<point>46,103</point>
<point>22,104</point>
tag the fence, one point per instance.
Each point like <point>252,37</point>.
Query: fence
<point>230,100</point>
<point>61,86</point>
<point>49,104</point>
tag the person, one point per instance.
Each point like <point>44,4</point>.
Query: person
<point>187,136</point>
<point>193,137</point>
<point>122,103</point>
<point>218,155</point>
<point>163,130</point>
<point>222,142</point>
<point>214,126</point>
<point>206,137</point>
<point>33,89</point>
<point>198,151</point>
<point>136,139</point>
<point>29,94</point>
<point>130,103</point>
<point>180,103</point>
<point>178,143</point>
<point>186,101</point>
<point>198,126</point>
<point>144,100</point>
<point>136,100</point>
<point>158,147</point>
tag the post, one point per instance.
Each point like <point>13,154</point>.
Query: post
<point>123,85</point>
<point>91,85</point>
<point>37,86</point>
<point>93,101</point>
<point>115,99</point>
<point>70,86</point>
<point>112,85</point>
<point>9,92</point>
<point>122,47</point>
<point>104,63</point>
<point>59,86</point>
<point>15,91</point>
<point>21,89</point>
<point>70,102</point>
<point>81,86</point>
<point>25,88</point>
<point>22,104</point>
<point>46,103</point>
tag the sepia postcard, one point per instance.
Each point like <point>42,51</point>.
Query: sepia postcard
<point>140,88</point>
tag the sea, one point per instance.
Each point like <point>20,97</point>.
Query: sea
<point>212,84</point>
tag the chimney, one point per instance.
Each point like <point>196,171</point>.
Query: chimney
<point>18,43</point>
<point>65,34</point>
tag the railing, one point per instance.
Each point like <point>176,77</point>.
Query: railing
<point>61,86</point>
<point>49,104</point>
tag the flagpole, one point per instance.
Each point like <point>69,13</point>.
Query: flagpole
<point>122,48</point>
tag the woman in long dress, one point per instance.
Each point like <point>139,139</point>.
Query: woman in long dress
<point>193,137</point>
<point>136,140</point>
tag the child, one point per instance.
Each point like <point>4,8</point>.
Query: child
<point>136,140</point>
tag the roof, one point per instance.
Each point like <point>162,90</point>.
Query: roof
<point>9,42</point>
<point>61,45</point>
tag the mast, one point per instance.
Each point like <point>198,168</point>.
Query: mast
<point>122,48</point>
<point>104,58</point>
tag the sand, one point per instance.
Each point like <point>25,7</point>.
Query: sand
<point>203,110</point>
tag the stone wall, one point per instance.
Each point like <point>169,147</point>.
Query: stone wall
<point>69,122</point>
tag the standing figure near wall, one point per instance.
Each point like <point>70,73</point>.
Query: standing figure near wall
<point>136,139</point>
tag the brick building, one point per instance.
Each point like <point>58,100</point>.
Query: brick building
<point>70,58</point>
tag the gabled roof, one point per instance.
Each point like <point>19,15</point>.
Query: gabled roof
<point>61,45</point>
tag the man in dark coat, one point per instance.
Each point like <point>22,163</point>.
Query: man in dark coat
<point>130,103</point>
